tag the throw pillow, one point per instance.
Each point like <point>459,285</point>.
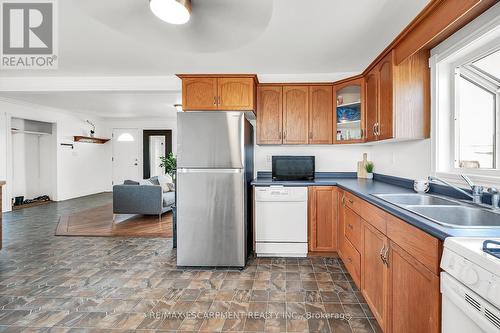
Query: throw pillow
<point>171,187</point>
<point>154,180</point>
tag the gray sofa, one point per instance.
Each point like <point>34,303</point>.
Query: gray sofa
<point>141,198</point>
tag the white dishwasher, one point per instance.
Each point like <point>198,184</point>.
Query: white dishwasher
<point>281,221</point>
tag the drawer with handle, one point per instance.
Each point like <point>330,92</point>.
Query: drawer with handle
<point>352,227</point>
<point>353,202</point>
<point>352,261</point>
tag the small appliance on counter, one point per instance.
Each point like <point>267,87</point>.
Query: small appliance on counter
<point>289,168</point>
<point>470,285</point>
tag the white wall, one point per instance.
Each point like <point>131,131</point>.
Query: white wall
<point>82,171</point>
<point>328,158</point>
<point>26,173</point>
<point>411,159</point>
<point>167,123</point>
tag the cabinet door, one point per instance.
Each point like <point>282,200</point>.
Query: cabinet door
<point>199,93</point>
<point>321,115</point>
<point>371,82</point>
<point>386,109</point>
<point>235,93</point>
<point>295,114</point>
<point>374,277</point>
<point>323,228</point>
<point>413,294</point>
<point>269,115</point>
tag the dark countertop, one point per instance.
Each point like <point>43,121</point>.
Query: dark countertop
<point>365,189</point>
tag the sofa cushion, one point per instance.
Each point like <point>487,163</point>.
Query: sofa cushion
<point>168,199</point>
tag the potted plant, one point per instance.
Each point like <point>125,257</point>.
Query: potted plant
<point>169,162</point>
<point>369,170</point>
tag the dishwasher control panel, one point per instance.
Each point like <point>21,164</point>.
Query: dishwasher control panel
<point>280,193</point>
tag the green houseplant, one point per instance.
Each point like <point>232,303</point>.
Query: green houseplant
<point>369,170</point>
<point>169,162</point>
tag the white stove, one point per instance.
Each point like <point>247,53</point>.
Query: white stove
<point>470,285</point>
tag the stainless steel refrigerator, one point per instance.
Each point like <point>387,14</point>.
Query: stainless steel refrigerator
<point>214,171</point>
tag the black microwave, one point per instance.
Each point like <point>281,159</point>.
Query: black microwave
<point>293,167</point>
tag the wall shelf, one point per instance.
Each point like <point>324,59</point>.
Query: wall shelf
<point>88,139</point>
<point>348,104</point>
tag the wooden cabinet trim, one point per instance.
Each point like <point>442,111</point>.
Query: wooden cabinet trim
<point>385,114</point>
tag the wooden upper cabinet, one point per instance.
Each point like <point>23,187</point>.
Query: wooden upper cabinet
<point>236,93</point>
<point>218,92</point>
<point>386,98</point>
<point>295,114</point>
<point>320,115</point>
<point>371,115</point>
<point>349,111</point>
<point>374,277</point>
<point>323,226</point>
<point>199,93</point>
<point>414,297</point>
<point>269,114</point>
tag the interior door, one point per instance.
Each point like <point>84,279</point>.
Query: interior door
<point>295,114</point>
<point>125,155</point>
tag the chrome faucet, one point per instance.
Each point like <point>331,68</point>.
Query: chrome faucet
<point>495,197</point>
<point>477,191</point>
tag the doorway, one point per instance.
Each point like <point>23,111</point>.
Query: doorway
<point>125,155</point>
<point>156,144</point>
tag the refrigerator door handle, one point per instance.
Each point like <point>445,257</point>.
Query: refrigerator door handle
<point>187,170</point>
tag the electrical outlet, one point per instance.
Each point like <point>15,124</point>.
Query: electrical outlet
<point>269,158</point>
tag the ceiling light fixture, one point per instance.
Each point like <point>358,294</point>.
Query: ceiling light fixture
<point>171,11</point>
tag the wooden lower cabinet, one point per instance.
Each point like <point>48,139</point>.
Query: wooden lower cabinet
<point>374,277</point>
<point>323,228</point>
<point>414,294</point>
<point>392,263</point>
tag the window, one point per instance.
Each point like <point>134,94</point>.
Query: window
<point>465,81</point>
<point>475,124</point>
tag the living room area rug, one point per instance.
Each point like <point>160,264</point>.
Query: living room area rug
<point>98,222</point>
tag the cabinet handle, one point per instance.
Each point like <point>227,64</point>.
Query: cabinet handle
<point>215,100</point>
<point>375,129</point>
<point>350,226</point>
<point>218,100</point>
<point>386,257</point>
<point>362,132</point>
<point>284,135</point>
<point>343,200</point>
<point>351,201</point>
<point>349,260</point>
<point>382,254</point>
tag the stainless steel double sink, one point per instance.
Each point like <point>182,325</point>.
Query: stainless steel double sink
<point>444,211</point>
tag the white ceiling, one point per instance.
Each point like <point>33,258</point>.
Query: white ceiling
<point>122,37</point>
<point>105,104</point>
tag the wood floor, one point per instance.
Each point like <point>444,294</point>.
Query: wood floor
<point>98,222</point>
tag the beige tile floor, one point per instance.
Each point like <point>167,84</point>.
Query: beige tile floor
<point>82,284</point>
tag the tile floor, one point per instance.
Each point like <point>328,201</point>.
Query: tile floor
<point>82,284</point>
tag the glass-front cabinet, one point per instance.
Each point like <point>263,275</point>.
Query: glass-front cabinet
<point>349,115</point>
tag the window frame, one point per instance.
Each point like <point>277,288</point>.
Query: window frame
<point>474,41</point>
